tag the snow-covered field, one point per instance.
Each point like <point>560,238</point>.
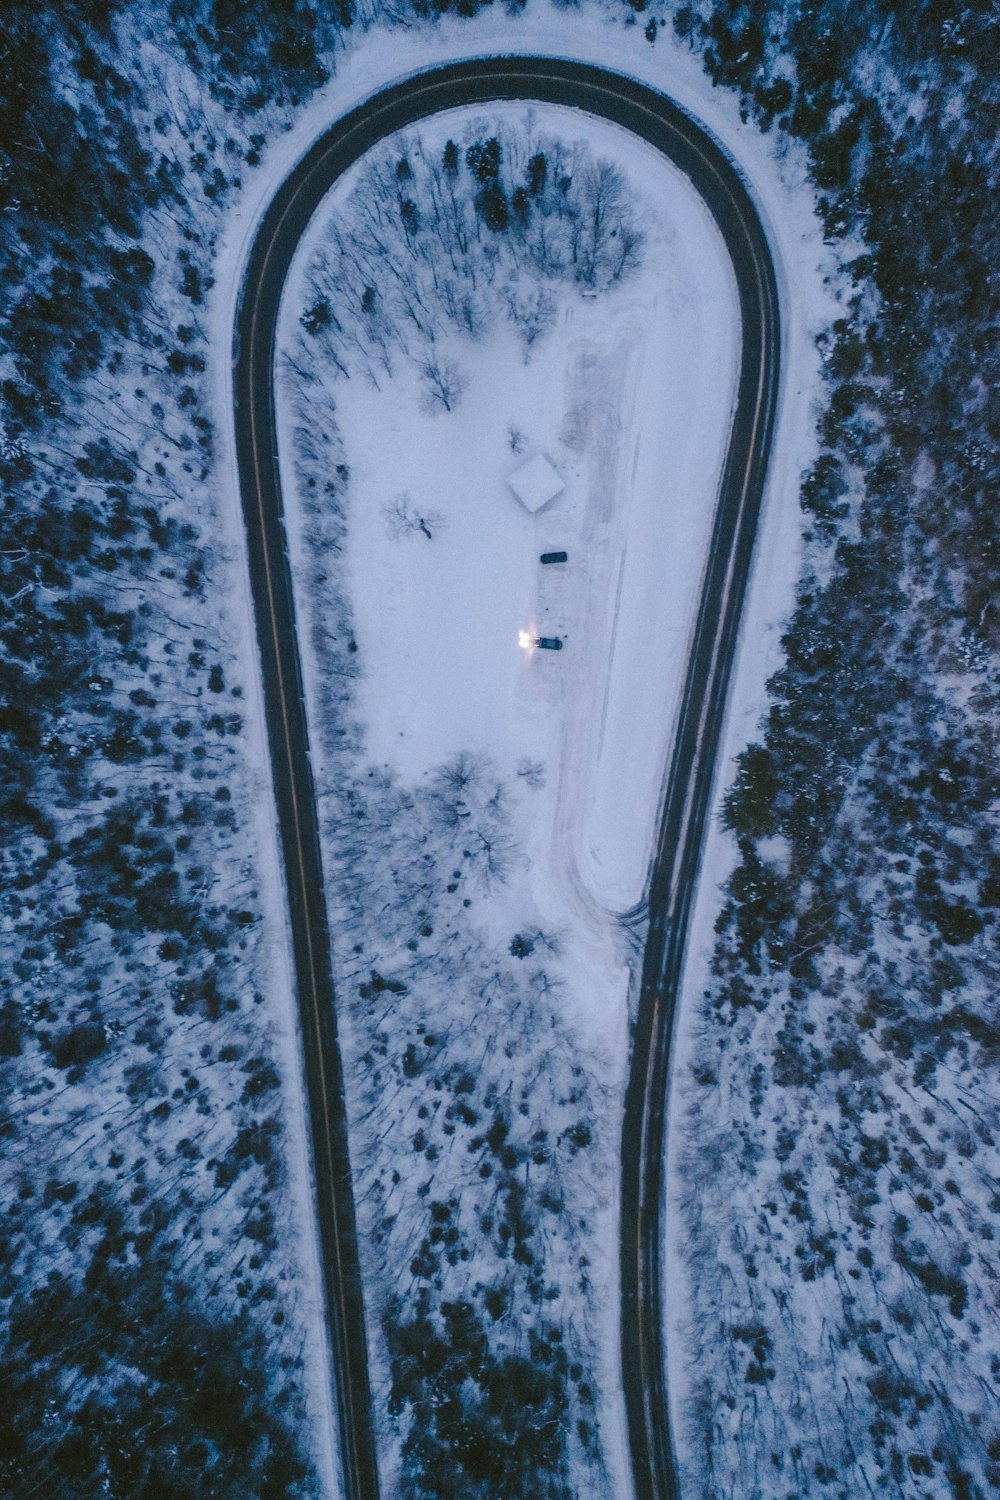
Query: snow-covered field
<point>629,397</point>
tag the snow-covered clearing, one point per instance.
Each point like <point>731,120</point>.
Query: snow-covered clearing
<point>630,398</point>
<point>775,171</point>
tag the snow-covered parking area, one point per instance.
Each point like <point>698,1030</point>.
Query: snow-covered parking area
<point>629,397</point>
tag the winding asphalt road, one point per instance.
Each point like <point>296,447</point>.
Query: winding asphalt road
<point>689,785</point>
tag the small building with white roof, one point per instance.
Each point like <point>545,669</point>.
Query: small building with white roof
<point>535,483</point>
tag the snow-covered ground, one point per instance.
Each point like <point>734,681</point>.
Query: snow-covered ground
<point>611,844</point>
<point>446,612</point>
<point>629,396</point>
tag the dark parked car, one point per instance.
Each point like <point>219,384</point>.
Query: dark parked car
<point>554,557</point>
<point>549,643</point>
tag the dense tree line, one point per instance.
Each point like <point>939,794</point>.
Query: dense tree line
<point>151,1330</point>
<point>844,1085</point>
<point>457,239</point>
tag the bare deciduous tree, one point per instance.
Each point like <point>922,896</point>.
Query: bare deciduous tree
<point>532,311</point>
<point>462,772</point>
<point>443,383</point>
<point>403,518</point>
<point>606,241</point>
<point>493,855</point>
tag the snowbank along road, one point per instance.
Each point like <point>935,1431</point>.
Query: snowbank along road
<point>688,789</point>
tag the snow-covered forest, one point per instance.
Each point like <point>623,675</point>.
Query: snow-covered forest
<point>452,240</point>
<point>840,1200</point>
<point>159,1299</point>
<point>837,1215</point>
